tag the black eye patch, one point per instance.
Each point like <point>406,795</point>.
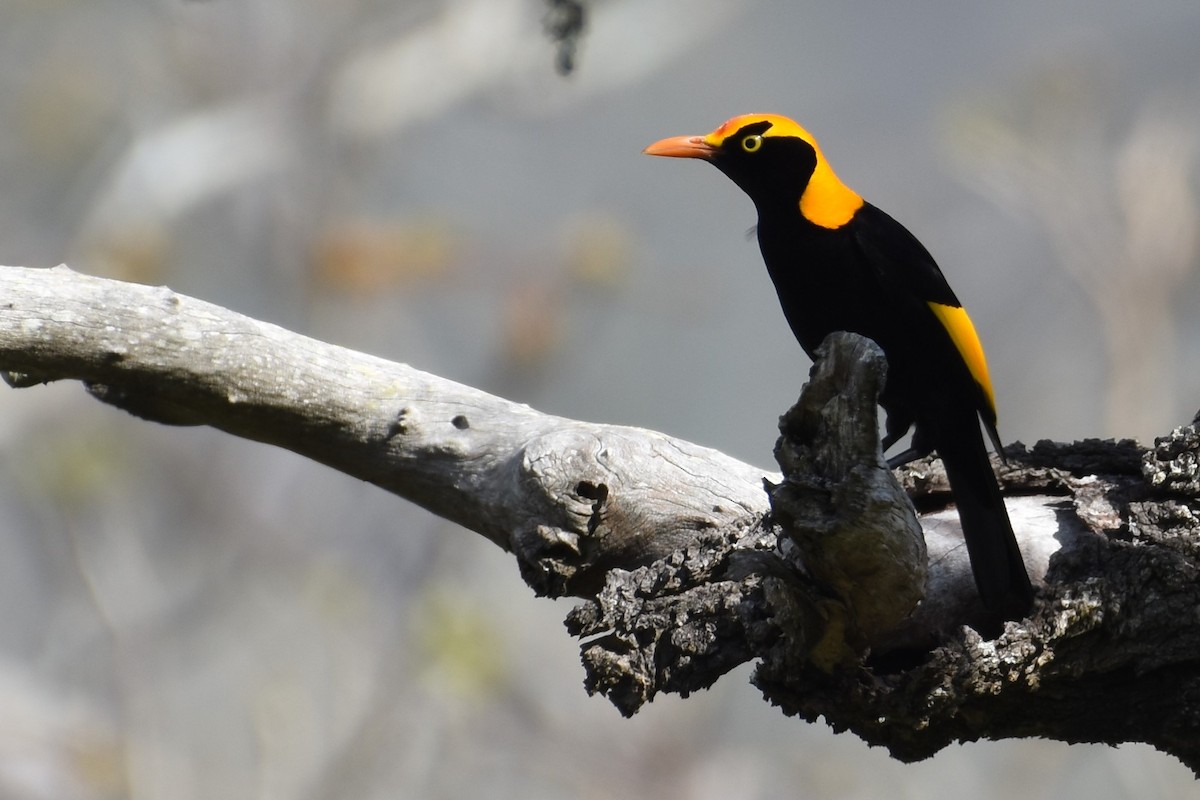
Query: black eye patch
<point>754,128</point>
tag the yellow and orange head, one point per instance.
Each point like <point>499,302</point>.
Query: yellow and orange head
<point>773,159</point>
<point>761,126</point>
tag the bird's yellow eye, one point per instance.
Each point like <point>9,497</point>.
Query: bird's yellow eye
<point>751,143</point>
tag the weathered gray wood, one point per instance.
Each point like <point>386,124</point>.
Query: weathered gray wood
<point>568,498</point>
<point>686,576</point>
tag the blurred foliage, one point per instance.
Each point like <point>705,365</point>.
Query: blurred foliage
<point>366,256</point>
<point>1116,189</point>
<point>565,22</point>
<point>461,653</point>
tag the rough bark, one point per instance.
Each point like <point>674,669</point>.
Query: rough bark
<point>692,562</point>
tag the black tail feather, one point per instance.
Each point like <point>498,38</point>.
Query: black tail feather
<point>996,560</point>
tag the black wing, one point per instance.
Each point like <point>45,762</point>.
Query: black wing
<point>900,260</point>
<point>907,271</point>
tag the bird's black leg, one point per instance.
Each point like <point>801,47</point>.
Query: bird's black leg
<point>919,449</point>
<point>896,426</point>
<point>909,455</point>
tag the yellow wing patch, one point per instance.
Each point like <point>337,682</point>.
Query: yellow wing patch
<point>962,332</point>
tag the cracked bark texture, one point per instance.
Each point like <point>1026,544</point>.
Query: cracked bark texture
<point>692,562</point>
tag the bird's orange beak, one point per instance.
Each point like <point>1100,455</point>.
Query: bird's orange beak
<point>682,147</point>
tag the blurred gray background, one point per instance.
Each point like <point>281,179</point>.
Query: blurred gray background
<point>192,616</point>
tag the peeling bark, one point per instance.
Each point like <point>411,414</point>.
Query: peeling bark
<point>691,562</point>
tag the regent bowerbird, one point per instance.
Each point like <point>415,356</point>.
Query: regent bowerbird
<point>841,264</point>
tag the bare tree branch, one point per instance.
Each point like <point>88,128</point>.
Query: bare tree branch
<point>691,565</point>
<point>568,498</point>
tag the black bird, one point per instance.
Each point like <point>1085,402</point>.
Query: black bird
<point>840,264</point>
